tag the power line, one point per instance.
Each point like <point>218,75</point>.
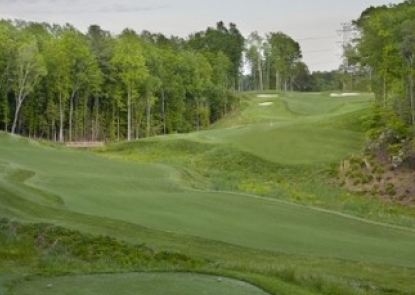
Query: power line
<point>347,35</point>
<point>317,38</point>
<point>320,51</point>
<point>322,62</point>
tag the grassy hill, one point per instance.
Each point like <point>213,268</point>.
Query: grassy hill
<point>250,199</point>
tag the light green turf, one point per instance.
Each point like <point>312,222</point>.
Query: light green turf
<point>140,283</point>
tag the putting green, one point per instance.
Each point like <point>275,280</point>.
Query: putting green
<point>140,283</point>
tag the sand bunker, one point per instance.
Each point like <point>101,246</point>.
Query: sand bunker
<point>344,94</point>
<point>266,104</point>
<point>267,95</point>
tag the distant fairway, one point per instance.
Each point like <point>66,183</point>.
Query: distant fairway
<point>143,284</point>
<point>295,129</point>
<point>147,191</point>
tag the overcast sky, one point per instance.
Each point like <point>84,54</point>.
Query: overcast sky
<point>314,23</point>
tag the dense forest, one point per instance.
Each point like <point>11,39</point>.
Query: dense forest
<point>60,84</point>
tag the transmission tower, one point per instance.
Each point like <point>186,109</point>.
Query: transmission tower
<point>347,33</point>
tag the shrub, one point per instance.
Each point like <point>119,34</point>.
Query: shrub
<point>390,189</point>
<point>367,179</point>
<point>357,182</point>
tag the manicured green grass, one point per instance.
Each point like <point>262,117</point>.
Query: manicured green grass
<point>299,144</point>
<point>185,193</point>
<point>145,283</point>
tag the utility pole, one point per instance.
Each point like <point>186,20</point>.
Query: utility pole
<point>347,34</point>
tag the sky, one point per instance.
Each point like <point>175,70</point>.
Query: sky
<point>313,23</point>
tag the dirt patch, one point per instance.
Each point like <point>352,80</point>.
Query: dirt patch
<point>379,179</point>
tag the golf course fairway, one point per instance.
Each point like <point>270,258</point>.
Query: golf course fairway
<point>145,185</point>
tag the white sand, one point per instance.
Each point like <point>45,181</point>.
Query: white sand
<point>344,94</point>
<point>267,95</point>
<point>266,104</point>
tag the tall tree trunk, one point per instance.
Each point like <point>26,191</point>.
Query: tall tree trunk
<point>411,96</point>
<point>225,105</point>
<point>70,118</point>
<point>71,102</point>
<point>129,115</point>
<point>85,119</point>
<point>136,124</point>
<point>344,86</point>
<point>163,110</point>
<point>197,114</point>
<point>61,117</point>
<point>16,114</point>
<point>385,96</point>
<point>5,101</point>
<point>6,120</point>
<point>137,127</point>
<point>5,113</point>
<point>269,75</point>
<point>277,81</point>
<point>148,112</point>
<point>19,100</point>
<point>261,81</point>
<point>118,124</point>
<point>96,133</point>
<point>53,136</point>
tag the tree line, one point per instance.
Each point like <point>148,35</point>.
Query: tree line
<point>63,85</point>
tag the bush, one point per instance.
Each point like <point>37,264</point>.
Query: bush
<point>375,190</point>
<point>378,170</point>
<point>367,179</point>
<point>384,123</point>
<point>390,189</point>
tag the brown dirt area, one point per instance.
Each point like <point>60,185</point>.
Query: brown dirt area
<point>379,179</point>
